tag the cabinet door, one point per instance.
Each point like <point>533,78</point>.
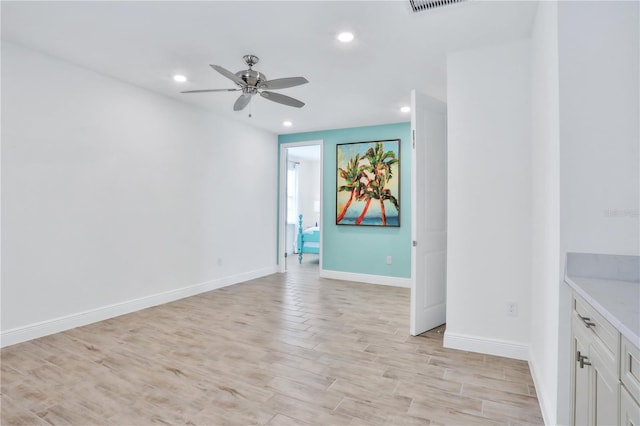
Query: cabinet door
<point>605,386</point>
<point>580,384</point>
<point>630,368</point>
<point>629,409</point>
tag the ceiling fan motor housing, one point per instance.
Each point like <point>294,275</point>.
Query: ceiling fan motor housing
<point>252,78</point>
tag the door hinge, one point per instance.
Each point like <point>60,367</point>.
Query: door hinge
<point>414,139</point>
<point>414,243</point>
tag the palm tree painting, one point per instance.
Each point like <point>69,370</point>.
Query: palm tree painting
<point>368,183</point>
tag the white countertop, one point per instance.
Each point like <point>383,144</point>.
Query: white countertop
<point>617,301</point>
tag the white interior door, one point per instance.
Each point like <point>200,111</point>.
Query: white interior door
<point>429,213</point>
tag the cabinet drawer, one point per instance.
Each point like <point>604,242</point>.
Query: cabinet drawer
<point>630,368</point>
<point>598,326</point>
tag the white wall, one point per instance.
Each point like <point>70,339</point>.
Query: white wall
<point>309,189</point>
<point>116,198</point>
<point>599,113</point>
<point>584,171</point>
<point>489,235</point>
<point>598,44</point>
<point>545,161</point>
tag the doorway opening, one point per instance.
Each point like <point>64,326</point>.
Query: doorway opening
<point>300,204</point>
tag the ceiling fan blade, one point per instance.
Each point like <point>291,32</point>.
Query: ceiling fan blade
<point>283,83</point>
<point>242,102</point>
<point>229,75</point>
<point>211,90</point>
<point>282,99</point>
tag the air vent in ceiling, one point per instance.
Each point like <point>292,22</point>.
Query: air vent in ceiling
<point>422,5</point>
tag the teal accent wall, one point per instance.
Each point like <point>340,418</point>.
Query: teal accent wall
<point>363,249</point>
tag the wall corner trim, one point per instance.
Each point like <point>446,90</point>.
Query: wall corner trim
<point>483,345</point>
<point>366,278</point>
<point>56,325</point>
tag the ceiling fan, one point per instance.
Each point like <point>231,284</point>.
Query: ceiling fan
<point>251,82</point>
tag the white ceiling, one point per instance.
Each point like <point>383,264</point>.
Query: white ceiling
<point>146,42</point>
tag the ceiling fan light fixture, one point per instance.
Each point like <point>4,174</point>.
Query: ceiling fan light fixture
<point>345,37</point>
<point>179,78</point>
<point>287,123</point>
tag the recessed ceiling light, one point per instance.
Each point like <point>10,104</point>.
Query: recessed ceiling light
<point>345,37</point>
<point>180,78</point>
<point>287,123</point>
<point>405,109</point>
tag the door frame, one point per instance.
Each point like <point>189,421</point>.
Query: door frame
<point>282,198</point>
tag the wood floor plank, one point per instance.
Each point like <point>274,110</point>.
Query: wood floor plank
<point>410,387</point>
<point>306,412</point>
<point>444,414</point>
<point>370,413</point>
<point>489,382</point>
<point>511,412</point>
<point>405,420</point>
<point>313,351</point>
<point>12,413</point>
<point>299,374</point>
<point>372,394</point>
<point>498,395</point>
<point>282,420</point>
<point>305,393</point>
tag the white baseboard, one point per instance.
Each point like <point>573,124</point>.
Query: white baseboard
<point>366,278</point>
<point>549,418</point>
<point>505,348</point>
<point>56,325</point>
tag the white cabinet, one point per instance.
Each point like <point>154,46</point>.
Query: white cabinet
<point>606,388</point>
<point>629,409</point>
<point>630,368</point>
<point>581,392</point>
<point>596,385</point>
<point>630,388</point>
<point>605,338</point>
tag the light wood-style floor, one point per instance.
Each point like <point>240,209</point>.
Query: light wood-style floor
<point>287,349</point>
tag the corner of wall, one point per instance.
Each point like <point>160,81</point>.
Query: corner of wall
<point>544,400</point>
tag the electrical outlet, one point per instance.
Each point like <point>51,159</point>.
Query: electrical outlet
<point>389,260</point>
<point>512,309</point>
